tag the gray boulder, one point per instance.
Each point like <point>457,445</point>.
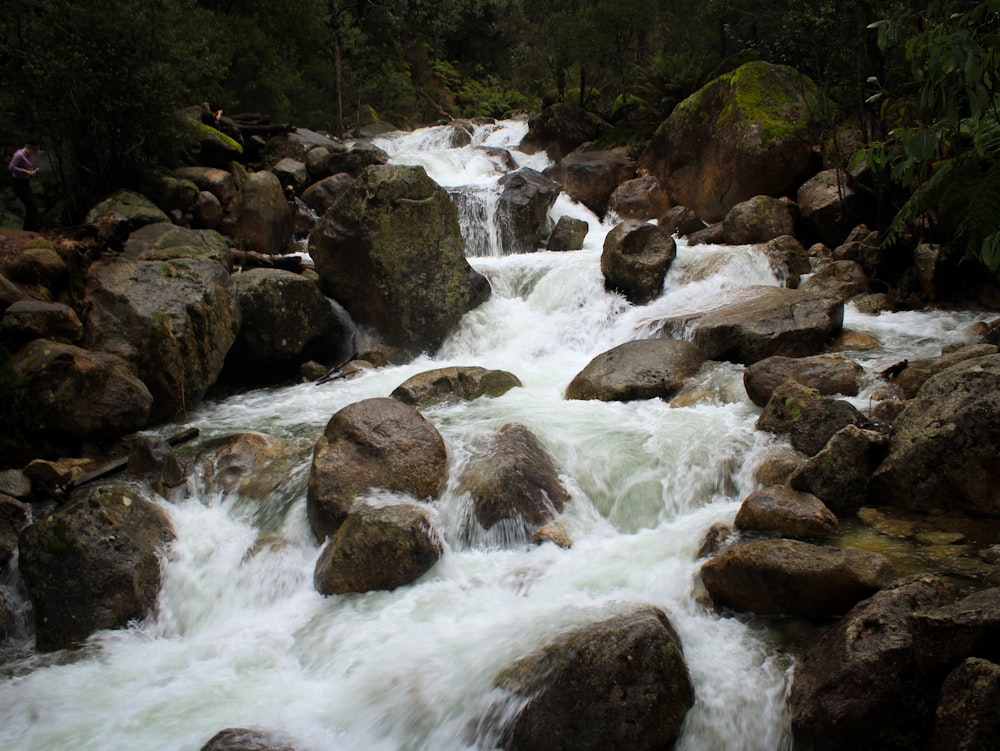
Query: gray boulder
<point>93,564</point>
<point>757,220</point>
<point>568,234</point>
<point>134,209</point>
<point>81,395</point>
<point>916,372</point>
<point>789,577</point>
<point>944,445</point>
<point>635,260</point>
<point>828,374</point>
<point>261,217</point>
<point>522,213</point>
<point>618,683</point>
<point>785,512</point>
<point>759,322</point>
<point>391,252</point>
<point>173,321</point>
<point>381,545</point>
<point>322,194</point>
<point>839,474</point>
<point>291,172</point>
<point>643,369</point>
<point>371,444</point>
<point>806,417</point>
<point>514,483</point>
<point>165,242</point>
<point>466,383</point>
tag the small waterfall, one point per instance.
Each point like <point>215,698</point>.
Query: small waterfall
<point>477,218</point>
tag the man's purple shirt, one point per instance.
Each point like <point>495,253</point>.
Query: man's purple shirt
<point>21,164</point>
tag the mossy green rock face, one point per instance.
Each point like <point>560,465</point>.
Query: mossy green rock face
<point>390,251</point>
<point>750,132</point>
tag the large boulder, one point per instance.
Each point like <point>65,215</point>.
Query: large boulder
<point>641,198</point>
<point>785,512</point>
<point>380,545</point>
<point>806,417</point>
<point>830,207</point>
<point>967,716</point>
<point>915,373</point>
<point>322,194</point>
<point>839,474</point>
<point>93,564</point>
<point>862,684</point>
<point>642,369</point>
<point>132,208</point>
<point>759,322</point>
<point>286,320</point>
<point>522,213</point>
<point>591,177</point>
<point>466,383</point>
<point>750,132</point>
<point>174,321</point>
<point>618,683</point>
<point>371,444</point>
<point>568,234</point>
<point>635,260</point>
<point>559,129</point>
<point>33,319</point>
<point>757,220</point>
<point>80,395</point>
<point>790,577</point>
<point>391,252</point>
<point>165,242</point>
<point>261,218</point>
<point>514,483</point>
<point>944,445</point>
<point>828,374</point>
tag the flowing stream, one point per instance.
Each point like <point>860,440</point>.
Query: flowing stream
<point>241,637</point>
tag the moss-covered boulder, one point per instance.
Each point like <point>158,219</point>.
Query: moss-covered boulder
<point>164,242</point>
<point>391,252</point>
<point>133,208</point>
<point>753,131</point>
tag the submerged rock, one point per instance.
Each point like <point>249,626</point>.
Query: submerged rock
<point>619,683</point>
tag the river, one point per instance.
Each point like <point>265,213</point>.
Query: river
<point>241,637</point>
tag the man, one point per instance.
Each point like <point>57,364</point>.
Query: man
<point>22,169</point>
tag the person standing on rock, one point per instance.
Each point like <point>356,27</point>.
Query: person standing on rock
<point>22,169</point>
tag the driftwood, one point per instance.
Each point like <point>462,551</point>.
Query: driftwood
<point>251,259</point>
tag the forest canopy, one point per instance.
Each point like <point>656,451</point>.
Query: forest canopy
<point>97,83</point>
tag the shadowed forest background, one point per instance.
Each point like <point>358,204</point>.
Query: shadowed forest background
<point>98,84</point>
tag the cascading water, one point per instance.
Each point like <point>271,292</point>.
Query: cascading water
<point>241,637</point>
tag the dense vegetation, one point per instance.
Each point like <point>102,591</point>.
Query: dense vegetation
<point>97,82</point>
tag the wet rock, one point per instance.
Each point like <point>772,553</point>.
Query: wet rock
<point>172,321</point>
<point>828,374</point>
<point>757,220</point>
<point>829,205</point>
<point>321,195</point>
<point>559,129</point>
<point>568,234</point>
<point>785,512</point>
<point>635,260</point>
<point>807,418</point>
<point>248,739</point>
<point>14,516</point>
<point>850,341</point>
<point>618,683</point>
<point>749,132</point>
<point>32,319</point>
<point>642,199</point>
<point>555,533</point>
<point>591,177</point>
<point>759,322</point>
<point>840,472</point>
<point>79,394</point>
<point>789,577</point>
<point>228,462</point>
<point>261,218</point>
<point>680,220</point>
<point>466,383</point>
<point>967,715</point>
<point>950,632</point>
<point>391,252</point>
<point>374,443</point>
<point>861,685</point>
<point>916,372</point>
<point>787,259</point>
<point>133,208</point>
<point>642,369</point>
<point>842,279</point>
<point>514,483</point>
<point>285,321</point>
<point>522,213</point>
<point>93,564</point>
<point>944,445</point>
<point>381,544</point>
<point>165,242</point>
<point>778,466</point>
